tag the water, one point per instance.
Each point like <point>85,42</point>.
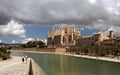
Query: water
<point>54,64</point>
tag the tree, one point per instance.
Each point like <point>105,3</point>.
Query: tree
<point>34,44</point>
<point>96,49</point>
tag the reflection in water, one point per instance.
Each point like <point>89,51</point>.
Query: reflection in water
<point>66,65</point>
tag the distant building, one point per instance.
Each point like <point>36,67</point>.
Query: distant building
<point>69,36</point>
<point>37,39</point>
<point>118,40</point>
<point>91,40</point>
<point>62,36</point>
<point>99,38</point>
<point>110,41</point>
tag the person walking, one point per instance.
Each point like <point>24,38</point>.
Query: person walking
<point>26,58</point>
<point>23,59</point>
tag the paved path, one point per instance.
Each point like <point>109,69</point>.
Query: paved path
<point>97,58</point>
<point>14,66</point>
<point>36,69</point>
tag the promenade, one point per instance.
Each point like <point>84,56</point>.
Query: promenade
<point>96,58</point>
<point>14,66</point>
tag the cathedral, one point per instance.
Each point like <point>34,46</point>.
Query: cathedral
<point>65,36</point>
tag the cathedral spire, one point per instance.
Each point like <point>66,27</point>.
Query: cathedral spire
<point>59,27</point>
<point>53,28</point>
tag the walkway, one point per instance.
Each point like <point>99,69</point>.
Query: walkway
<point>14,66</point>
<point>97,58</point>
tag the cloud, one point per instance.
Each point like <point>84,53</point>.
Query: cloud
<point>116,30</point>
<point>84,12</point>
<point>14,41</point>
<point>13,28</point>
<point>102,26</point>
<point>0,41</point>
<point>27,40</point>
<point>93,14</point>
<point>92,1</point>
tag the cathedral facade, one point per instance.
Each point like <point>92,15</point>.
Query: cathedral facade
<point>63,37</point>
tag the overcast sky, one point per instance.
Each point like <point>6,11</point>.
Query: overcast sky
<point>20,17</point>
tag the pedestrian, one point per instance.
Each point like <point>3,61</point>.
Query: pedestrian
<point>26,58</point>
<point>23,59</point>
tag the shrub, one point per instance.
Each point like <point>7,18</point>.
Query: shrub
<point>4,54</point>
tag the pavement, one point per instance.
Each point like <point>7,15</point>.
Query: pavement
<point>14,66</point>
<point>96,58</point>
<point>37,70</point>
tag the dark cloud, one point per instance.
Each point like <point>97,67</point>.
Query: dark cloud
<point>55,11</point>
<point>4,19</point>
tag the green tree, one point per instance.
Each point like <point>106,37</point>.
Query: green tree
<point>33,44</point>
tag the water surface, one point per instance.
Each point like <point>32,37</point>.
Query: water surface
<point>54,64</point>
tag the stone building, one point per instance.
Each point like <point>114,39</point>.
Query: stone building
<point>69,36</point>
<point>99,38</point>
<point>91,40</point>
<point>112,41</point>
<point>62,37</point>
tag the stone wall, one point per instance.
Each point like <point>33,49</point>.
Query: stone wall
<point>40,49</point>
<point>58,49</point>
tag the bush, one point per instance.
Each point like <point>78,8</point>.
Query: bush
<point>4,54</point>
<point>102,55</point>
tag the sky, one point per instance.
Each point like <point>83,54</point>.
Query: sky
<point>25,20</point>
